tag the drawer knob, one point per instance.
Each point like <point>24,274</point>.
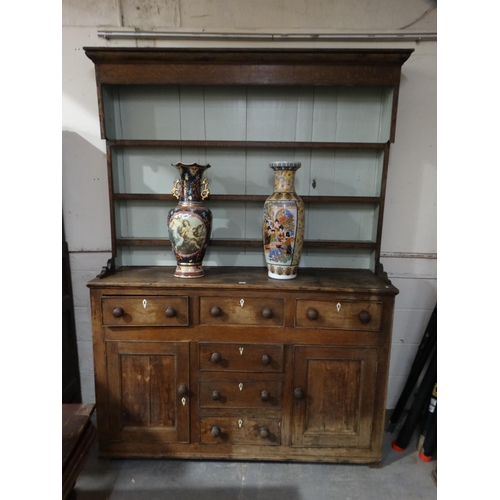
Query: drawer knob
<point>215,357</point>
<point>182,390</point>
<point>118,312</point>
<point>216,311</point>
<point>215,431</point>
<point>312,314</point>
<point>216,395</point>
<point>298,393</point>
<point>266,359</point>
<point>364,317</point>
<point>170,312</point>
<point>264,432</point>
<point>267,313</point>
<point>265,396</point>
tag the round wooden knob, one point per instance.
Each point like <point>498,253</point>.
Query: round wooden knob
<point>265,396</point>
<point>215,357</point>
<point>215,431</point>
<point>264,432</point>
<point>118,312</point>
<point>266,359</point>
<point>364,317</point>
<point>216,311</point>
<point>182,390</point>
<point>298,393</point>
<point>170,312</point>
<point>267,313</point>
<point>216,395</point>
<point>312,314</point>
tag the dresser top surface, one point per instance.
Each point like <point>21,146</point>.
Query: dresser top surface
<point>311,279</point>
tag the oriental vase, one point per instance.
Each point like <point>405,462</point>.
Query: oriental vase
<point>283,223</point>
<point>190,223</point>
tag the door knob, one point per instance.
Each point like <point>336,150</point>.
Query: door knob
<point>267,313</point>
<point>298,393</point>
<point>312,314</point>
<point>215,357</point>
<point>266,359</point>
<point>118,312</point>
<point>170,312</point>
<point>216,311</point>
<point>364,317</point>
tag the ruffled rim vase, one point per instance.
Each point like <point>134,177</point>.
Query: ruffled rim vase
<point>190,223</point>
<point>283,223</point>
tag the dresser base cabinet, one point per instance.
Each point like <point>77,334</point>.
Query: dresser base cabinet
<point>236,365</point>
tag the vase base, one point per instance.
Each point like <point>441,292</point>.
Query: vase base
<point>281,277</point>
<point>189,271</point>
<point>282,272</point>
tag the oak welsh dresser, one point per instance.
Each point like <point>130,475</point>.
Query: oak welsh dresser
<point>235,365</point>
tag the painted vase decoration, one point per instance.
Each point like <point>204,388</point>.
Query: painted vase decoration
<point>190,223</point>
<point>283,225</point>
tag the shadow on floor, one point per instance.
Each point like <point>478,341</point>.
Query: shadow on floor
<point>190,494</point>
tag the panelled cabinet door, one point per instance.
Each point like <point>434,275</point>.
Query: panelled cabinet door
<point>148,391</point>
<point>333,396</point>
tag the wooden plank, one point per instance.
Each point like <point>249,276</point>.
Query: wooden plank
<point>112,216</point>
<point>75,417</point>
<point>135,393</point>
<point>246,144</point>
<point>250,243</point>
<point>163,403</point>
<point>243,66</point>
<point>250,198</point>
<point>78,438</point>
<point>369,57</point>
<point>383,186</point>
<point>321,279</point>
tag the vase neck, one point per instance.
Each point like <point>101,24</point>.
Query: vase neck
<point>284,180</point>
<point>190,182</point>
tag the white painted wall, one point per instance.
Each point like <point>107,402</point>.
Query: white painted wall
<point>410,215</point>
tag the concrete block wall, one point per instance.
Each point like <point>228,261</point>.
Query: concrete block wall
<point>409,236</point>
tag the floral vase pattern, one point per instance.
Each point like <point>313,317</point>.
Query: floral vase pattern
<point>190,223</point>
<point>283,225</point>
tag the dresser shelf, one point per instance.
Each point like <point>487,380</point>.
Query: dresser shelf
<point>239,109</point>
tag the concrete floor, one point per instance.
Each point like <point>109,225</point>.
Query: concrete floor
<point>401,476</point>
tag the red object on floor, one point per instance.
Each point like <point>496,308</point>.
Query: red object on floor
<point>395,447</point>
<point>425,458</point>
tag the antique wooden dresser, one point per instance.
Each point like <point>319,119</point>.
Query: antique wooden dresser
<point>235,365</point>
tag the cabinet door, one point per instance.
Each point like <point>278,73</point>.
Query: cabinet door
<point>334,391</point>
<point>148,391</point>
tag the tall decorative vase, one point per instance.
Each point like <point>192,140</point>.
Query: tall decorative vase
<point>283,225</point>
<point>190,223</point>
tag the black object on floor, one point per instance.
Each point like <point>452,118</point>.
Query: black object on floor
<point>418,406</point>
<point>425,349</point>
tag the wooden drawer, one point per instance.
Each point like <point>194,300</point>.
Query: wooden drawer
<point>231,430</point>
<point>338,314</point>
<point>240,394</point>
<point>242,311</point>
<point>241,357</point>
<point>145,310</point>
